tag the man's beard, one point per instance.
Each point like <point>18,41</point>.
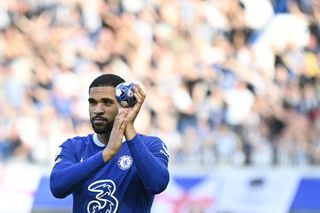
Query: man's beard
<point>104,129</point>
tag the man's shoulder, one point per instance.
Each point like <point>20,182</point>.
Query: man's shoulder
<point>150,138</point>
<point>155,143</point>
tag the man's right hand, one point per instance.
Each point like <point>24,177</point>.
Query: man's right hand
<point>116,135</point>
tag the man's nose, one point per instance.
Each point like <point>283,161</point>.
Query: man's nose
<point>99,108</point>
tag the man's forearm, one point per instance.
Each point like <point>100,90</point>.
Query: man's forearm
<point>130,132</point>
<point>66,176</point>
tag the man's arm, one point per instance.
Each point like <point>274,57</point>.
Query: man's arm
<point>151,163</point>
<point>68,174</point>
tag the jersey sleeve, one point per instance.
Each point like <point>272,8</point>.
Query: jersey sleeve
<point>151,162</point>
<point>68,172</point>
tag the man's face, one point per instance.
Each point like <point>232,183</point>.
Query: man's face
<point>103,108</point>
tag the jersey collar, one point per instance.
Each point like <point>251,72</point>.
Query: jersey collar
<point>96,141</point>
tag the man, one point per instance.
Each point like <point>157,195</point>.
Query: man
<point>103,172</point>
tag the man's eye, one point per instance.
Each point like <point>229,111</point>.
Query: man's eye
<point>107,103</point>
<point>92,102</point>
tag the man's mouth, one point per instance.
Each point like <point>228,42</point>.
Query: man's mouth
<point>99,121</point>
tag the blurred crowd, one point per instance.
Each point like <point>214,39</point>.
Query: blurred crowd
<point>228,82</point>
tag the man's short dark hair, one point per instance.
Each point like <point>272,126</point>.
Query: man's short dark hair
<point>105,80</point>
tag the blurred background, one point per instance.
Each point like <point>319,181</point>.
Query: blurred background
<point>233,88</point>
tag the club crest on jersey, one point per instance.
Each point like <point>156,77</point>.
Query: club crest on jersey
<point>125,162</point>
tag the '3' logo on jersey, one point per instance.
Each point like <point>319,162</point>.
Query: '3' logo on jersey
<point>104,200</point>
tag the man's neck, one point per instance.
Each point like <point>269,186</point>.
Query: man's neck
<point>103,138</point>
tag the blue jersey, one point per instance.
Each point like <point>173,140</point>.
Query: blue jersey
<point>126,183</point>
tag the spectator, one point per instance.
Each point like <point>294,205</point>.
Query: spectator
<point>209,62</point>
